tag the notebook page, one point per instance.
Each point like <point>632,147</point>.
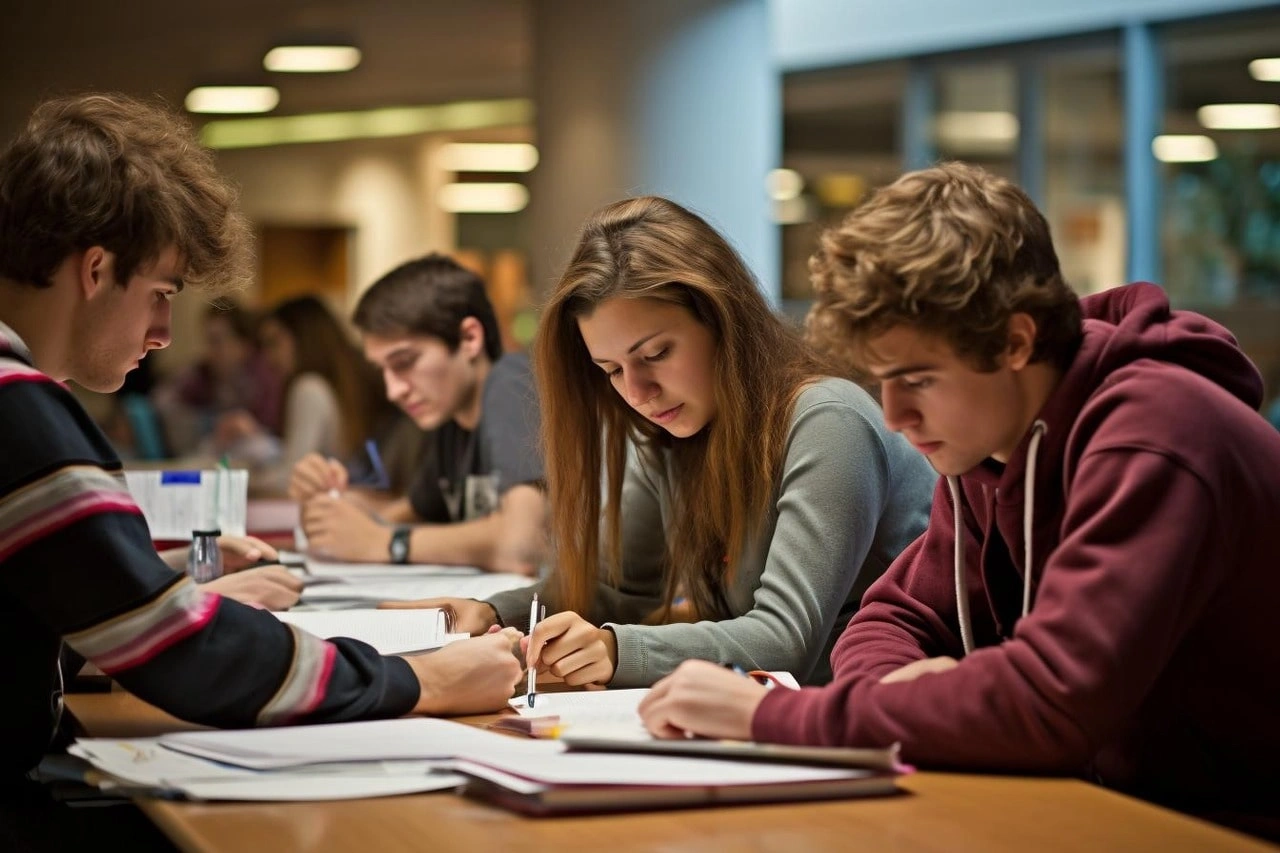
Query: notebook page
<point>594,713</point>
<point>385,588</point>
<point>391,632</point>
<point>376,740</point>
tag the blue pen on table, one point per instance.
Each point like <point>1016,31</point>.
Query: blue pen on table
<point>759,676</point>
<point>534,615</point>
<point>379,470</point>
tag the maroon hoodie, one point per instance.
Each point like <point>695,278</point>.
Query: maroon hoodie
<point>1150,658</point>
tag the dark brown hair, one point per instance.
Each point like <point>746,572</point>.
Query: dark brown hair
<point>722,479</point>
<point>953,250</point>
<point>430,296</point>
<point>124,174</point>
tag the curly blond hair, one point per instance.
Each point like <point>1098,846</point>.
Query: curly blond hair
<point>953,251</point>
<point>125,174</point>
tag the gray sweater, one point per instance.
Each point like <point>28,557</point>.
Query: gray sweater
<point>852,495</point>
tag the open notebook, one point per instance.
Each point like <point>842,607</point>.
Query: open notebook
<point>391,632</point>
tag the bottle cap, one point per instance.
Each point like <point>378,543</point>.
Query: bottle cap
<point>214,532</point>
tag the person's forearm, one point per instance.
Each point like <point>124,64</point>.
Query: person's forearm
<point>175,558</point>
<point>468,543</point>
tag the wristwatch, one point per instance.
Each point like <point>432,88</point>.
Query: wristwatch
<point>399,546</point>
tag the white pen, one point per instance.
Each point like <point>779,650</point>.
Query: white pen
<point>530,691</point>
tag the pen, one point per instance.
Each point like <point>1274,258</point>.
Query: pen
<point>375,459</point>
<point>531,690</point>
<point>759,676</point>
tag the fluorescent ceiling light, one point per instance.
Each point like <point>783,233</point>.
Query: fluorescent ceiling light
<point>304,59</point>
<point>976,126</point>
<point>482,198</point>
<point>1179,148</point>
<point>791,211</point>
<point>366,124</point>
<point>232,99</point>
<point>488,157</point>
<point>1266,70</point>
<point>1239,116</point>
<point>784,184</point>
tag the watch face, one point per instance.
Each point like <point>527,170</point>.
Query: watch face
<point>399,546</point>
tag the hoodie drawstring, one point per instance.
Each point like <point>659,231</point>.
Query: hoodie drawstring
<point>962,597</point>
<point>1038,429</point>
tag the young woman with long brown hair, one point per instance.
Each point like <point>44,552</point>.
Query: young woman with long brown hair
<point>749,496</point>
<point>332,400</point>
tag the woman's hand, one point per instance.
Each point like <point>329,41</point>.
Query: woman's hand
<point>568,646</point>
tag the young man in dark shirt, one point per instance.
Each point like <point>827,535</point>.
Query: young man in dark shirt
<point>109,208</point>
<point>477,500</point>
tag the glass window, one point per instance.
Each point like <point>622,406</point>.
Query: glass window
<point>841,139</point>
<point>1220,231</point>
<point>1083,181</point>
<point>977,115</point>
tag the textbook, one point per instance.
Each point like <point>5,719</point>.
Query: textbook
<point>391,632</point>
<point>885,760</point>
<point>591,783</point>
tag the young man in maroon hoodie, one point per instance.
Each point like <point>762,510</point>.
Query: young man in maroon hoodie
<point>1108,611</point>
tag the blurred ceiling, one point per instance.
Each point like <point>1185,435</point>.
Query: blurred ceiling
<point>415,51</point>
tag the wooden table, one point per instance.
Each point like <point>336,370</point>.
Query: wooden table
<point>944,812</point>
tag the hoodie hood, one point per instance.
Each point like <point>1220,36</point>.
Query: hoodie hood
<point>1122,327</point>
<point>1140,324</point>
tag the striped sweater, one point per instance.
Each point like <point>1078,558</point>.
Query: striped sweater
<point>77,566</point>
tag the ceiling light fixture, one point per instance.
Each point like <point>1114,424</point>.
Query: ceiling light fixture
<point>488,157</point>
<point>482,198</point>
<point>1184,148</point>
<point>232,99</point>
<point>1239,116</point>
<point>1266,70</point>
<point>366,124</point>
<point>311,59</point>
<point>784,184</point>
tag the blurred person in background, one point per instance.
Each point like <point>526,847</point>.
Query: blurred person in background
<point>232,375</point>
<point>477,496</point>
<point>331,401</point>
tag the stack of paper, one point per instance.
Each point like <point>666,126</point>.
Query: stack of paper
<point>399,756</point>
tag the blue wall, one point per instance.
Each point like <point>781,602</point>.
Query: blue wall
<point>817,33</point>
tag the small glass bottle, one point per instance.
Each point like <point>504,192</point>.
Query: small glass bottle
<point>204,560</point>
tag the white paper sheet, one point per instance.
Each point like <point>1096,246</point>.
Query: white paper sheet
<point>145,766</point>
<point>379,740</point>
<point>383,588</point>
<point>174,503</point>
<point>590,768</point>
<point>590,713</point>
<point>391,632</point>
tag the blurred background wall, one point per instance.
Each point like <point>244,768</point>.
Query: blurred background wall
<point>771,117</point>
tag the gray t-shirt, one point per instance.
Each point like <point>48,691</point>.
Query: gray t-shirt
<point>464,473</point>
<point>852,495</point>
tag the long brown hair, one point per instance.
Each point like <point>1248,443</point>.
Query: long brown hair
<point>722,479</point>
<point>321,346</point>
